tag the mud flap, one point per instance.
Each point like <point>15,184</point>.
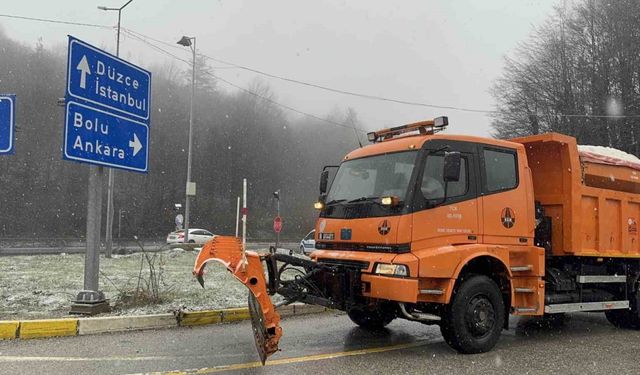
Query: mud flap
<point>247,268</point>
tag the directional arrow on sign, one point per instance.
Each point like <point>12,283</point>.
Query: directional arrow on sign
<point>135,144</point>
<point>83,67</point>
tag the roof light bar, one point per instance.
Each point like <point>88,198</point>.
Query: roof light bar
<point>423,127</point>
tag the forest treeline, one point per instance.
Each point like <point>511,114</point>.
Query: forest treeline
<point>578,74</point>
<point>236,135</point>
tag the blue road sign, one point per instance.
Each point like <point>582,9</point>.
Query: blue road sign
<point>98,137</point>
<point>107,111</point>
<point>106,81</point>
<point>7,123</point>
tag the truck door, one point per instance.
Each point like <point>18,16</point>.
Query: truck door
<point>504,197</point>
<point>438,221</point>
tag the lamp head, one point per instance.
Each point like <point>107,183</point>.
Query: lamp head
<point>185,41</point>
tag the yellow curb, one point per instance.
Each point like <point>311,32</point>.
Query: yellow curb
<point>199,318</point>
<point>235,315</point>
<point>9,329</point>
<point>30,329</point>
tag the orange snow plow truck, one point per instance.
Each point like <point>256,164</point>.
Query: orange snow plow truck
<point>458,231</point>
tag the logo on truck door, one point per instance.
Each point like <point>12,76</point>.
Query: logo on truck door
<point>384,228</point>
<point>508,218</point>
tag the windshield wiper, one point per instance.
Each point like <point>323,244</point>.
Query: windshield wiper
<point>333,201</point>
<point>362,199</point>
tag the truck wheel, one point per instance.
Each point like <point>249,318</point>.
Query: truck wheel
<point>473,320</point>
<point>623,318</point>
<point>370,318</point>
<point>626,318</point>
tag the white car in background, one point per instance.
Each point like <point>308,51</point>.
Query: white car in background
<point>308,243</point>
<point>197,236</point>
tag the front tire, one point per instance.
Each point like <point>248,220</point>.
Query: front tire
<point>473,320</point>
<point>371,319</point>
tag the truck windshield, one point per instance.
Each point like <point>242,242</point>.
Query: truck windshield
<point>373,177</point>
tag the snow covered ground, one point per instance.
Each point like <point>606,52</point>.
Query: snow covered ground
<point>43,286</point>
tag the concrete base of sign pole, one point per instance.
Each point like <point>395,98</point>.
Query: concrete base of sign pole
<point>90,302</point>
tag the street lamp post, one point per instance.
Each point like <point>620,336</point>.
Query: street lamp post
<point>110,184</point>
<point>190,188</point>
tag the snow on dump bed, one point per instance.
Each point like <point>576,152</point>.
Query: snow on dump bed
<point>608,155</point>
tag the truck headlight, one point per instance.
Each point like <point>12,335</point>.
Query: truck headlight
<point>391,269</point>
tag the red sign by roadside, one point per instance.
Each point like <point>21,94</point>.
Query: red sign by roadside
<point>277,224</point>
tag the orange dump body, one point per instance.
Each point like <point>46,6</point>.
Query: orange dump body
<point>594,207</point>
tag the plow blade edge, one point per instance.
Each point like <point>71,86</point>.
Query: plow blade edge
<point>248,270</point>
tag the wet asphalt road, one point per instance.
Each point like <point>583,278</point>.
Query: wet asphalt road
<point>329,344</point>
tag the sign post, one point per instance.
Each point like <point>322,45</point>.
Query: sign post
<point>106,125</point>
<point>277,222</point>
<point>7,123</point>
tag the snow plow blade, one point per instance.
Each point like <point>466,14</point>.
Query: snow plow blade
<point>247,268</point>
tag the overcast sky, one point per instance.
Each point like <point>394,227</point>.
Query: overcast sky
<point>444,52</point>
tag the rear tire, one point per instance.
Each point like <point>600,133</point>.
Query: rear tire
<point>192,241</point>
<point>371,319</point>
<point>473,320</point>
<point>623,318</point>
<point>626,318</point>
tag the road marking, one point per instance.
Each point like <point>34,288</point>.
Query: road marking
<point>15,358</point>
<point>286,361</point>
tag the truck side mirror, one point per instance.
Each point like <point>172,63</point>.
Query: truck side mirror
<point>324,180</point>
<point>451,169</point>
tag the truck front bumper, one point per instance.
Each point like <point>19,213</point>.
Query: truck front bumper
<point>400,289</point>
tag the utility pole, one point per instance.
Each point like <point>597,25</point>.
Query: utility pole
<point>111,178</point>
<point>191,186</point>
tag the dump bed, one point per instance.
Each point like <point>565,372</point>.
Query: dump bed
<point>593,203</point>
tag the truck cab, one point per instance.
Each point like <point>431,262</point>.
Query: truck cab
<point>416,225</point>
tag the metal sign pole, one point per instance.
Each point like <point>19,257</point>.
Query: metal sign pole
<point>91,300</point>
<point>237,215</point>
<point>244,224</point>
<point>94,218</point>
<point>278,232</point>
<point>244,212</point>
